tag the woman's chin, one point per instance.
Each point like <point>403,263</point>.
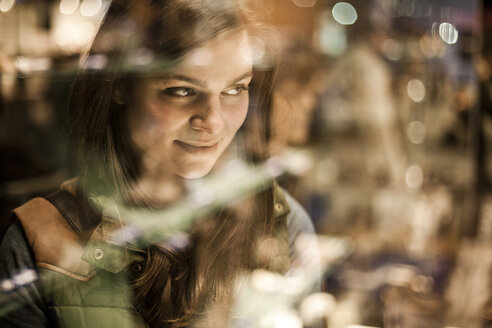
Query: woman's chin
<point>194,173</point>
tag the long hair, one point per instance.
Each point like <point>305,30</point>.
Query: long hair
<point>176,286</point>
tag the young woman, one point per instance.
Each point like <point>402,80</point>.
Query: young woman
<point>177,82</point>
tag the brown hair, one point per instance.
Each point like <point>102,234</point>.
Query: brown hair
<point>176,284</point>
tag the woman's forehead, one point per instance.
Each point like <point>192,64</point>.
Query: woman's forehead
<point>232,46</point>
<point>226,58</point>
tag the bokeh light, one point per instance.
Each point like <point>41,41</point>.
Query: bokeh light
<point>344,13</point>
<point>68,7</point>
<point>392,49</point>
<point>7,285</point>
<point>448,33</point>
<point>414,177</point>
<point>96,62</point>
<point>416,90</point>
<point>288,319</point>
<point>6,5</point>
<point>22,278</point>
<point>90,8</point>
<point>317,306</point>
<point>265,281</point>
<point>416,132</point>
<point>26,65</point>
<point>253,50</point>
<point>74,36</point>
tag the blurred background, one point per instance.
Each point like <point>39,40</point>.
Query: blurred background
<point>387,104</point>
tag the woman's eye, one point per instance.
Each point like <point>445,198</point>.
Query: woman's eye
<point>236,91</point>
<point>180,92</point>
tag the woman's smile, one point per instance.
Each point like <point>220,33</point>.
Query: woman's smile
<point>198,148</point>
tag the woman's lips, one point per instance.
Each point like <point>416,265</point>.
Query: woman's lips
<point>198,148</point>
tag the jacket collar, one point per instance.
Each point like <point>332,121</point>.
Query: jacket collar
<point>106,252</point>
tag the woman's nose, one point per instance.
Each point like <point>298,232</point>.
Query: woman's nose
<point>208,118</point>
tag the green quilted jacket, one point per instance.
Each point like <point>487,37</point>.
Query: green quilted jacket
<point>84,278</point>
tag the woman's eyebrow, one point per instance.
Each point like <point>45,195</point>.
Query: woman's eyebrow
<point>241,77</point>
<point>200,83</point>
<point>184,78</point>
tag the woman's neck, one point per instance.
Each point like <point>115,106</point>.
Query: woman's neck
<point>156,190</point>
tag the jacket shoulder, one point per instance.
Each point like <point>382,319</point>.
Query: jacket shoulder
<point>54,243</point>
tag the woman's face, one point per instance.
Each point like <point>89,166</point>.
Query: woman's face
<point>182,121</point>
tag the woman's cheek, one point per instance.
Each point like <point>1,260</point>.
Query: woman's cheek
<point>238,112</point>
<point>147,129</point>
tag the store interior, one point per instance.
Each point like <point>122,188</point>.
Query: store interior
<point>385,109</point>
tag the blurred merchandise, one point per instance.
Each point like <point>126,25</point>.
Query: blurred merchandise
<point>384,109</point>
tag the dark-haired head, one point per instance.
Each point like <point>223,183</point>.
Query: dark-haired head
<point>144,40</point>
<point>180,79</point>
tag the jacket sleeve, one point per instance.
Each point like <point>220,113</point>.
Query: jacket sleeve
<point>21,303</point>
